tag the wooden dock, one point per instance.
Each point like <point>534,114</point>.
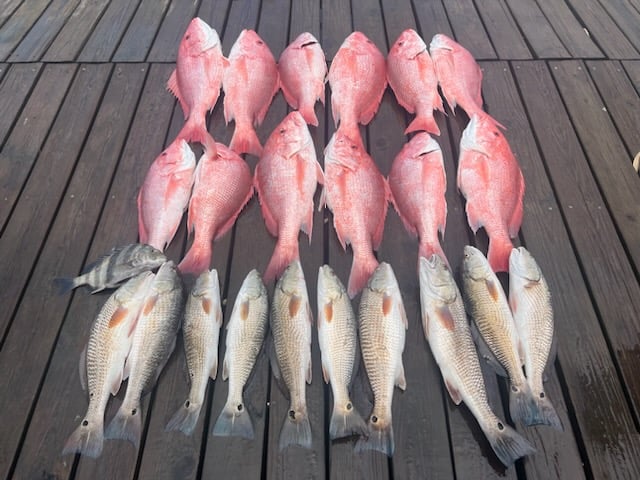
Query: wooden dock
<point>85,112</point>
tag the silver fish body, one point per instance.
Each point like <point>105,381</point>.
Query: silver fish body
<point>291,329</point>
<point>382,327</point>
<point>153,342</point>
<point>201,331</point>
<point>338,339</point>
<point>110,270</point>
<point>530,302</point>
<point>446,328</point>
<point>246,331</point>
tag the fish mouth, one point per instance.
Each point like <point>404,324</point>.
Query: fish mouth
<point>309,43</point>
<point>424,50</point>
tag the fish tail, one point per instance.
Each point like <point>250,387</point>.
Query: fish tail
<point>87,439</point>
<point>351,130</point>
<point>234,421</point>
<point>126,425</point>
<point>521,403</point>
<point>423,122</point>
<point>195,130</point>
<point>426,249</point>
<point>346,422</point>
<point>64,285</point>
<point>245,140</point>
<point>541,412</point>
<point>380,438</point>
<point>197,259</point>
<point>361,270</point>
<point>309,114</point>
<point>296,430</point>
<point>283,254</point>
<point>186,418</point>
<point>507,444</point>
<point>498,254</point>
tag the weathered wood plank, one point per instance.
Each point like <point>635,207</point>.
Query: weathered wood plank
<point>176,20</point>
<point>22,147</point>
<point>106,36</point>
<point>215,14</point>
<point>141,31</point>
<point>632,68</point>
<point>8,7</point>
<point>431,18</point>
<point>606,428</point>
<point>621,99</point>
<point>367,18</point>
<point>36,42</point>
<point>305,17</point>
<point>468,29</point>
<point>242,14</point>
<point>505,36</point>
<point>627,19</point>
<point>607,156</point>
<point>61,401</point>
<point>337,24</point>
<point>17,82</point>
<point>21,22</point>
<point>537,30</point>
<point>398,16</point>
<point>569,29</point>
<point>76,30</point>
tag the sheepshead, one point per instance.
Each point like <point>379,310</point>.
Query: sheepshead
<point>490,179</point>
<point>223,185</point>
<point>418,185</point>
<point>412,77</point>
<point>303,69</point>
<point>530,302</point>
<point>249,82</point>
<point>110,270</point>
<point>338,338</point>
<point>197,79</point>
<point>201,330</point>
<point>357,78</point>
<point>487,304</point>
<point>246,331</point>
<point>164,195</point>
<point>291,329</point>
<point>447,331</point>
<point>286,178</point>
<point>357,194</point>
<point>153,342</point>
<point>103,361</point>
<point>382,325</point>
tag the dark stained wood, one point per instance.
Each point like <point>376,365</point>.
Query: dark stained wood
<point>8,7</point>
<point>21,148</point>
<point>21,21</point>
<point>398,16</point>
<point>17,82</point>
<point>626,18</point>
<point>537,30</point>
<point>621,100</point>
<point>468,28</point>
<point>431,18</point>
<point>215,13</point>
<point>75,31</point>
<point>367,18</point>
<point>505,35</point>
<point>61,402</point>
<point>569,29</point>
<point>104,39</point>
<point>176,20</point>
<point>305,17</point>
<point>337,24</point>
<point>632,68</point>
<point>141,31</point>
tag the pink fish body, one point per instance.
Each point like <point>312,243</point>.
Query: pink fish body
<point>197,79</point>
<point>303,69</point>
<point>222,187</point>
<point>164,195</point>
<point>249,82</point>
<point>418,185</point>
<point>412,77</point>
<point>286,178</point>
<point>490,179</point>
<point>357,194</point>
<point>357,78</point>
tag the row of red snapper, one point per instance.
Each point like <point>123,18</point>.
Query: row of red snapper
<point>287,173</point>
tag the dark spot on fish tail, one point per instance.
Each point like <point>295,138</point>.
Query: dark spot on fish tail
<point>374,419</point>
<point>542,395</point>
<point>191,374</point>
<point>134,411</point>
<point>349,406</point>
<point>514,389</point>
<point>85,423</point>
<point>91,395</point>
<point>187,404</point>
<point>292,414</point>
<point>500,426</point>
<point>493,289</point>
<point>240,407</point>
<point>206,305</point>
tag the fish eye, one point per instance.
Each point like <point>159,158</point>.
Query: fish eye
<point>292,414</point>
<point>283,130</point>
<point>187,37</point>
<point>164,154</point>
<point>400,44</point>
<point>374,419</point>
<point>349,406</point>
<point>500,426</point>
<point>239,407</point>
<point>541,394</point>
<point>514,388</point>
<point>259,42</point>
<point>85,423</point>
<point>187,403</point>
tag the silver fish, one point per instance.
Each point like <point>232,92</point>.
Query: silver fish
<point>530,302</point>
<point>446,328</point>
<point>338,338</point>
<point>103,361</point>
<point>487,304</point>
<point>291,329</point>
<point>246,331</point>
<point>120,264</point>
<point>153,342</point>
<point>201,331</point>
<point>382,325</point>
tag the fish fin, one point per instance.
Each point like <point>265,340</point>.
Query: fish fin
<point>426,249</point>
<point>423,122</point>
<point>485,353</point>
<point>401,381</point>
<point>498,254</point>
<point>117,381</point>
<point>259,116</point>
<point>553,353</point>
<point>325,374</point>
<point>64,285</point>
<point>245,140</point>
<point>379,438</point>
<point>296,430</point>
<point>454,393</point>
<point>87,439</point>
<point>346,421</point>
<point>425,325</point>
<point>195,130</point>
<point>290,97</point>
<point>283,255</point>
<point>185,419</point>
<point>269,219</point>
<point>319,174</point>
<point>518,212</point>
<point>142,231</point>
<point>309,114</point>
<point>309,372</point>
<point>82,368</point>
<point>521,404</point>
<point>273,359</point>
<point>541,412</point>
<point>367,115</point>
<point>214,368</point>
<point>507,444</point>
<point>172,86</point>
<point>197,259</point>
<point>126,425</point>
<point>376,239</point>
<point>234,421</point>
<point>361,270</point>
<point>232,219</point>
<point>225,369</point>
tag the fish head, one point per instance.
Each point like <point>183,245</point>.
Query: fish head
<point>475,265</point>
<point>440,42</point>
<point>199,37</point>
<point>344,151</point>
<point>480,135</point>
<point>522,264</point>
<point>382,278</point>
<point>436,279</point>
<point>408,45</point>
<point>329,285</point>
<point>359,43</point>
<point>292,280</point>
<point>205,284</point>
<point>135,287</point>
<point>421,145</point>
<point>305,40</point>
<point>167,278</point>
<point>291,135</point>
<point>253,286</point>
<point>148,256</point>
<point>178,154</point>
<point>250,44</point>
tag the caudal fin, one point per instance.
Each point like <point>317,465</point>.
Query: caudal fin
<point>196,260</point>
<point>296,430</point>
<point>309,114</point>
<point>541,412</point>
<point>64,285</point>
<point>185,419</point>
<point>234,421</point>
<point>380,438</point>
<point>426,249</point>
<point>521,403</point>
<point>126,425</point>
<point>361,270</point>
<point>498,254</point>
<point>346,421</point>
<point>423,122</point>
<point>195,130</point>
<point>87,439</point>
<point>245,140</point>
<point>507,444</point>
<point>283,255</point>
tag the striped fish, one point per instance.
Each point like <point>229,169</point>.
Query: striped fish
<point>120,264</point>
